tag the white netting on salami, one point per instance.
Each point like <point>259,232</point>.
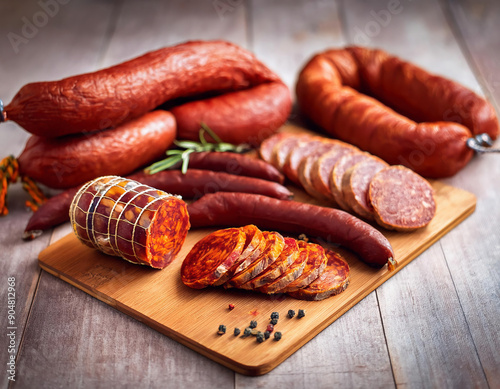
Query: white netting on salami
<point>115,216</point>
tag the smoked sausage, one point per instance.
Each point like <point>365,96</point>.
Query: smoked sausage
<point>191,70</point>
<point>331,225</point>
<point>69,161</point>
<point>344,91</point>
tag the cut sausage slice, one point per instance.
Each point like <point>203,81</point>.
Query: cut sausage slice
<point>304,170</point>
<point>331,282</point>
<point>254,245</point>
<point>296,155</point>
<point>322,168</point>
<point>355,184</point>
<point>285,260</point>
<point>274,246</point>
<point>128,219</point>
<point>338,171</point>
<point>291,274</point>
<point>283,148</point>
<point>267,146</point>
<point>316,263</point>
<point>402,200</point>
<point>211,257</point>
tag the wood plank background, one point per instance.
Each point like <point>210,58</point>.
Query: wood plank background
<point>434,324</point>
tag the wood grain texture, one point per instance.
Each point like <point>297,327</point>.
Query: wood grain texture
<point>192,316</point>
<point>417,356</point>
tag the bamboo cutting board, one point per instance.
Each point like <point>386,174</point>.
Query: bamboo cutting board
<point>192,317</point>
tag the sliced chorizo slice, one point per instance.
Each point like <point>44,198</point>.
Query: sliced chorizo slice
<point>274,246</point>
<point>211,257</point>
<point>332,225</point>
<point>355,185</point>
<point>285,260</point>
<point>267,146</point>
<point>322,168</point>
<point>125,218</point>
<point>331,282</point>
<point>255,243</point>
<point>315,266</point>
<point>290,274</point>
<point>402,200</point>
<point>342,165</point>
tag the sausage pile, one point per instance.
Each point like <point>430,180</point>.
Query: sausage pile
<point>125,218</point>
<point>265,261</point>
<point>394,109</point>
<point>103,123</point>
<point>396,197</point>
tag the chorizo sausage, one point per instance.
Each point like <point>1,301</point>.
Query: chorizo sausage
<point>331,225</point>
<point>333,90</point>
<point>69,161</point>
<point>109,97</point>
<point>234,163</point>
<point>125,218</point>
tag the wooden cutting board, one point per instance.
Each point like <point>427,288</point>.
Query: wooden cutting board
<point>192,317</point>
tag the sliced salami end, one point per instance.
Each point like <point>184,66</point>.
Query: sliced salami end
<point>402,200</point>
<point>291,273</point>
<point>254,245</point>
<point>266,147</point>
<point>285,260</point>
<point>355,185</point>
<point>331,282</point>
<point>295,157</point>
<point>316,263</point>
<point>338,171</point>
<point>274,246</point>
<point>125,218</point>
<point>211,257</point>
<point>283,148</point>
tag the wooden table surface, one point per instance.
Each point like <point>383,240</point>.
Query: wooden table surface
<point>434,324</point>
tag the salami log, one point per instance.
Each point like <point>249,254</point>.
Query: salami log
<point>344,92</point>
<point>331,282</point>
<point>125,218</point>
<point>331,225</point>
<point>402,200</point>
<point>69,161</point>
<point>192,70</point>
<point>211,257</point>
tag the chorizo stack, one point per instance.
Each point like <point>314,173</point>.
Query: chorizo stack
<point>304,270</point>
<point>125,218</point>
<point>353,180</point>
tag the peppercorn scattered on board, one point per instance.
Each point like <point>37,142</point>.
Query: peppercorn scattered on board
<point>192,317</point>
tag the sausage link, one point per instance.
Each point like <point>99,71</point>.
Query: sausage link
<point>112,96</point>
<point>72,160</point>
<point>233,163</point>
<point>331,225</point>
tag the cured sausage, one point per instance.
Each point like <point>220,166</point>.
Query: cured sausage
<point>267,146</point>
<point>315,265</point>
<point>293,272</point>
<point>297,154</point>
<point>234,163</point>
<point>283,148</point>
<point>128,219</point>
<point>331,225</point>
<point>73,160</point>
<point>334,280</point>
<point>274,246</point>
<point>195,183</point>
<point>211,257</point>
<point>283,262</point>
<point>334,89</point>
<point>355,185</point>
<point>191,70</point>
<point>402,200</point>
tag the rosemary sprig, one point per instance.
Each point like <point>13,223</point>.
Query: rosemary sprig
<point>187,147</point>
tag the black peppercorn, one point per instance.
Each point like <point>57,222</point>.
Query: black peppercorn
<point>301,313</point>
<point>222,330</point>
<point>237,331</point>
<point>291,313</point>
<point>275,315</point>
<point>277,336</point>
<point>253,324</point>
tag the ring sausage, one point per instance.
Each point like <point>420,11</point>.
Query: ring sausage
<point>192,70</point>
<point>334,90</point>
<point>69,161</point>
<point>332,225</point>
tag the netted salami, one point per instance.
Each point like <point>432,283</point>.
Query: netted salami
<point>125,218</point>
